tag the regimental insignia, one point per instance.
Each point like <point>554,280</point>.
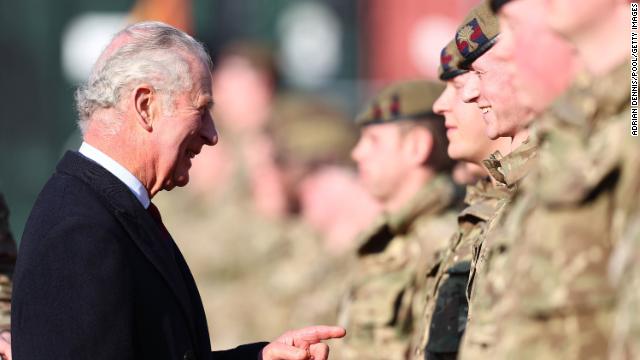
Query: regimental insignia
<point>377,112</point>
<point>445,60</point>
<point>394,108</point>
<point>470,37</point>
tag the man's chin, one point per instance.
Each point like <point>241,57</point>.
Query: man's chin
<point>179,181</point>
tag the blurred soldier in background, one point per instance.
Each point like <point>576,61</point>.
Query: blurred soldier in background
<point>402,162</point>
<point>327,208</point>
<point>229,221</point>
<point>7,262</point>
<point>445,312</point>
<point>307,142</point>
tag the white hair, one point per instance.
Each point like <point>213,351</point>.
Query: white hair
<point>153,53</point>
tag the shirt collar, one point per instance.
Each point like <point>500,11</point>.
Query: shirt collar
<point>118,171</point>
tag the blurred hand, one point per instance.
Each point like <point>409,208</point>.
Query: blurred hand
<point>302,344</point>
<point>5,345</point>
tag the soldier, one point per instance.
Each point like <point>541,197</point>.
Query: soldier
<point>523,36</point>
<point>560,300</point>
<point>445,313</point>
<point>402,162</point>
<point>7,262</point>
<point>491,88</point>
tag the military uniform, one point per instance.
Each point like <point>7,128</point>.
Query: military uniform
<point>445,312</point>
<point>575,208</point>
<point>488,267</point>
<point>7,263</point>
<point>383,301</point>
<point>386,291</point>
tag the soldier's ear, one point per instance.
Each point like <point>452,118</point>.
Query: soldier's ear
<point>145,102</point>
<point>420,145</point>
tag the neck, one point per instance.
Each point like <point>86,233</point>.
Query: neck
<point>408,189</point>
<point>519,138</point>
<point>608,36</point>
<point>126,153</point>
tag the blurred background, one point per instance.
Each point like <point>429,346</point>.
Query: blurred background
<point>289,77</point>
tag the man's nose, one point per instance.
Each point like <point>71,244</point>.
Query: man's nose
<point>209,133</point>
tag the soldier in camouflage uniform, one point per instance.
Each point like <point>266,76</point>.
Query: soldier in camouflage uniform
<point>402,161</point>
<point>445,313</point>
<point>7,262</point>
<point>577,205</point>
<point>492,91</point>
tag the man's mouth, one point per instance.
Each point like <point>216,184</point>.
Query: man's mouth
<point>485,109</point>
<point>191,154</point>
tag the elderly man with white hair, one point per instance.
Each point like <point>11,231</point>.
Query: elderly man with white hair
<point>99,276</point>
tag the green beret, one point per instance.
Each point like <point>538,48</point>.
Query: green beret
<point>450,59</point>
<point>308,131</point>
<point>477,34</point>
<point>407,100</point>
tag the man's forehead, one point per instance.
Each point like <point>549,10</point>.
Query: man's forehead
<point>486,61</point>
<point>381,129</point>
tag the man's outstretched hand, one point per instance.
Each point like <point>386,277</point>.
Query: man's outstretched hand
<point>303,344</point>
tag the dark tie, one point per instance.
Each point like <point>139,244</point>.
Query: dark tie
<point>155,214</point>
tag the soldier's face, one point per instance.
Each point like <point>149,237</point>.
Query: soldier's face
<point>466,130</point>
<point>571,18</point>
<point>524,36</point>
<point>492,91</point>
<point>381,156</point>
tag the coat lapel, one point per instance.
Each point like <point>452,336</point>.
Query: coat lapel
<point>137,222</point>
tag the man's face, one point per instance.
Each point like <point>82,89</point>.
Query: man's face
<point>524,36</point>
<point>381,158</point>
<point>244,95</point>
<point>493,92</point>
<point>466,130</point>
<point>185,129</point>
<point>570,17</point>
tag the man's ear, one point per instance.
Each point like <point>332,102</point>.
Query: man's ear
<point>145,102</point>
<point>420,144</point>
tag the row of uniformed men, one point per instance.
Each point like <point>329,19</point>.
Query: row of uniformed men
<point>545,261</point>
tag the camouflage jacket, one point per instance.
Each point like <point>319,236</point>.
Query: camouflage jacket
<point>445,312</point>
<point>490,252</point>
<point>572,212</point>
<point>385,289</point>
<point>7,262</point>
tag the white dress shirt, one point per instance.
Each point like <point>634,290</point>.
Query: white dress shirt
<point>118,171</point>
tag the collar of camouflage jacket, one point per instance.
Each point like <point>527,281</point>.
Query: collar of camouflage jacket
<point>482,199</point>
<point>434,197</point>
<point>509,170</point>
